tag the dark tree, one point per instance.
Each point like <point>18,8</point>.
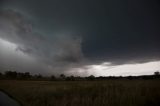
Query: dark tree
<point>62,76</point>
<point>91,77</point>
<point>157,73</point>
<point>39,76</point>
<point>27,75</point>
<point>53,77</point>
<point>11,74</point>
<point>20,75</point>
<point>71,78</point>
<point>1,75</point>
<point>130,77</point>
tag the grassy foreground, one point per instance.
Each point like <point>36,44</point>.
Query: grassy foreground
<point>84,93</point>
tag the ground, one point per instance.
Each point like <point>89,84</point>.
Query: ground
<point>84,93</point>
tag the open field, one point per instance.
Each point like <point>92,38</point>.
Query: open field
<point>84,93</point>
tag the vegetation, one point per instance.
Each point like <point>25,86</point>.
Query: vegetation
<point>156,73</point>
<point>84,93</point>
<point>37,90</point>
<point>13,75</point>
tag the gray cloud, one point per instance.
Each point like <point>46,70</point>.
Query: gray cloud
<point>63,50</point>
<point>64,34</point>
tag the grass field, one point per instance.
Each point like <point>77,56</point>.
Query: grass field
<point>84,93</point>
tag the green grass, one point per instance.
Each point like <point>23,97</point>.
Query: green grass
<point>85,93</point>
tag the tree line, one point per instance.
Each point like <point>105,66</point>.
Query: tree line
<point>13,75</point>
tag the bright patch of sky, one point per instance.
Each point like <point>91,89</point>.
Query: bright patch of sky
<point>106,69</point>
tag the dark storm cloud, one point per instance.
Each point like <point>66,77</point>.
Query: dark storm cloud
<point>62,50</point>
<point>116,31</point>
<point>131,34</point>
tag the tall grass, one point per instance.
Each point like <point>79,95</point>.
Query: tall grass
<point>85,93</point>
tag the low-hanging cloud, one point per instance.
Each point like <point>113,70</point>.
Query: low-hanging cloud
<point>58,54</point>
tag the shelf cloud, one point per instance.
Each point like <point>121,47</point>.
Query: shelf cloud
<point>73,36</point>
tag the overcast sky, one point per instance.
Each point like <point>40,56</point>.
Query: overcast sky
<point>80,37</point>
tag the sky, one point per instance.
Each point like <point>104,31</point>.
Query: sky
<point>80,37</point>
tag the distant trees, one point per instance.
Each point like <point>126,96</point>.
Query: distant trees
<point>1,75</point>
<point>39,76</point>
<point>11,74</point>
<point>91,77</point>
<point>16,75</point>
<point>53,77</point>
<point>130,77</point>
<point>25,75</point>
<point>70,78</point>
<point>157,73</point>
<point>62,77</point>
